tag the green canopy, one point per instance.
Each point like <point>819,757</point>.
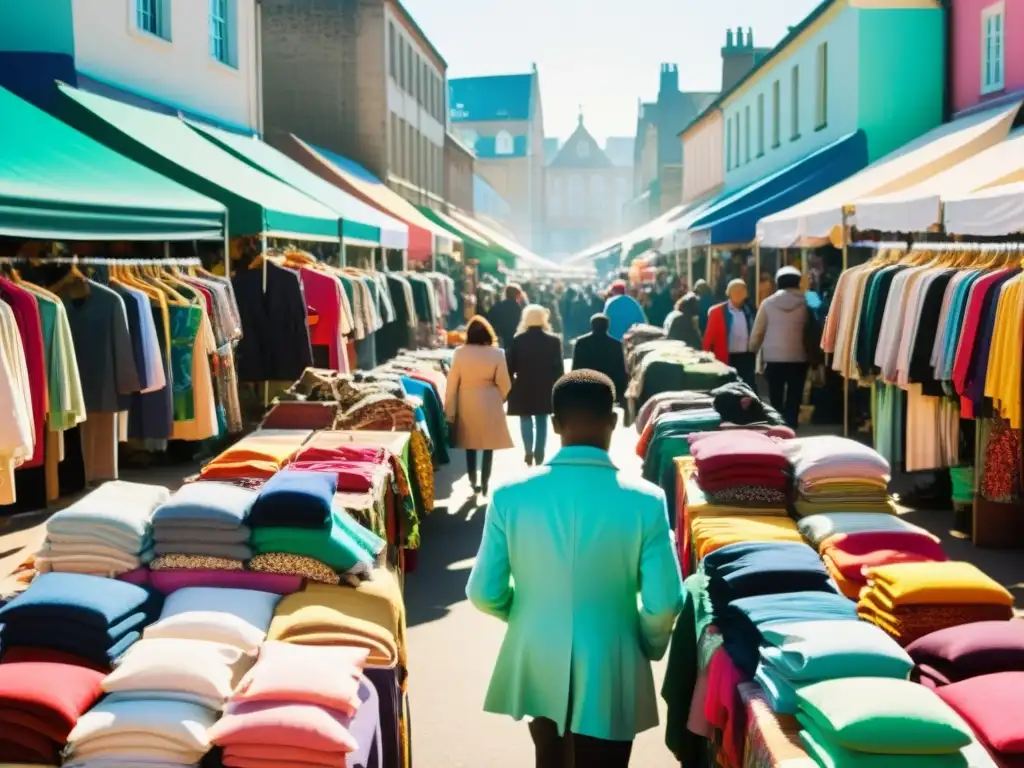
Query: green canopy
<point>256,203</point>
<point>58,184</point>
<point>475,246</point>
<point>359,221</point>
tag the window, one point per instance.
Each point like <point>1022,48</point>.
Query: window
<point>220,32</point>
<point>776,114</point>
<point>421,83</point>
<point>737,136</point>
<point>392,51</point>
<point>794,104</point>
<point>728,145</point>
<point>993,64</point>
<point>392,142</point>
<point>760,124</point>
<point>152,16</point>
<point>503,143</point>
<point>746,132</point>
<point>401,63</point>
<point>821,98</point>
<point>410,68</point>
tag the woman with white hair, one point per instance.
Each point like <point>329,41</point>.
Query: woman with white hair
<point>535,363</point>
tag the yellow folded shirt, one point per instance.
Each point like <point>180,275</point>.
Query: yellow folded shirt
<point>949,583</point>
<point>711,533</point>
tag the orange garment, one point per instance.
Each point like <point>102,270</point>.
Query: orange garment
<point>849,587</point>
<point>259,455</point>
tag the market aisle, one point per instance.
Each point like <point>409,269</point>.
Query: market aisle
<point>452,647</point>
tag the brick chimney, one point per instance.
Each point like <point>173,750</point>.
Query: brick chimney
<point>738,55</point>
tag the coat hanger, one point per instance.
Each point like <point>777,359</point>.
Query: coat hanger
<point>74,282</point>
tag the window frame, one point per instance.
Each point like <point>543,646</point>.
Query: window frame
<point>821,95</point>
<point>504,139</point>
<point>159,11</point>
<point>794,103</point>
<point>760,124</point>
<point>776,114</point>
<point>996,12</point>
<point>746,133</point>
<point>392,52</point>
<point>227,55</point>
<point>728,144</point>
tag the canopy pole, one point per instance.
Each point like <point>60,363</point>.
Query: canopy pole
<point>263,253</point>
<point>344,254</point>
<point>689,266</point>
<point>679,263</point>
<point>227,247</point>
<point>757,273</point>
<point>405,259</point>
<point>846,382</point>
<point>707,266</point>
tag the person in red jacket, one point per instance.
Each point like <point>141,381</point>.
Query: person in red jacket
<point>728,332</point>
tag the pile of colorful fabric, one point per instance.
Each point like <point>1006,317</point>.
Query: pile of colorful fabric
<point>876,721</point>
<point>203,525</point>
<point>849,556</point>
<point>91,617</point>
<point>309,706</point>
<point>967,651</point>
<point>911,600</point>
<point>105,533</point>
<point>742,467</point>
<point>257,456</point>
<point>42,696</point>
<point>836,474</point>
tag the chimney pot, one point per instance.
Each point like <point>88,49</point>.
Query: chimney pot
<point>728,38</point>
<point>750,36</point>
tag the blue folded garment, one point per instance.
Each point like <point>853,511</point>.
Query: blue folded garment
<point>206,504</point>
<point>742,620</point>
<point>96,649</point>
<point>750,569</point>
<point>92,601</point>
<point>822,650</point>
<point>778,689</point>
<point>296,499</point>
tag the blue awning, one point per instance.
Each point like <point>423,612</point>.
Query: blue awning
<point>733,219</point>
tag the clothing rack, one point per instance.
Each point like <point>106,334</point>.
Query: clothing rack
<point>191,261</point>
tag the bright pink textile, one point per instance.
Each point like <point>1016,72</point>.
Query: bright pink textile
<point>275,583</point>
<point>969,332</point>
<point>323,294</point>
<point>285,724</point>
<point>353,477</point>
<point>324,448</point>
<point>26,314</point>
<point>992,706</point>
<point>327,676</point>
<point>720,450</point>
<point>139,577</point>
<point>724,707</point>
<point>853,552</point>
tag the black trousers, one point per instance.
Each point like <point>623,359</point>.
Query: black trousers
<point>745,364</point>
<point>485,468</point>
<point>574,751</point>
<point>786,389</point>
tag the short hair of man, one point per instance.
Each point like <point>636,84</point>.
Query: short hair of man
<point>480,332</point>
<point>600,322</point>
<point>513,291</point>
<point>583,394</point>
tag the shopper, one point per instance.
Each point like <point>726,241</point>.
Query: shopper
<point>728,332</point>
<point>683,323</point>
<point>535,363</point>
<point>505,315</point>
<point>564,554</point>
<point>623,311</point>
<point>779,334</point>
<point>707,300</point>
<point>598,351</point>
<point>478,384</point>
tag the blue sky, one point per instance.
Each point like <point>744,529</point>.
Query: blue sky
<point>601,54</point>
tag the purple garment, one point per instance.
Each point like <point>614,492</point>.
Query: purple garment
<point>139,577</point>
<point>365,729</point>
<point>389,694</point>
<point>969,650</point>
<point>275,583</point>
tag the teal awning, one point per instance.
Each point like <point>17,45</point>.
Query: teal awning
<point>733,219</point>
<point>59,184</point>
<point>360,222</point>
<point>256,203</point>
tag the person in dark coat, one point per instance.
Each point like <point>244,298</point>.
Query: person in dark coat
<point>599,352</point>
<point>535,363</point>
<point>683,323</point>
<point>505,315</point>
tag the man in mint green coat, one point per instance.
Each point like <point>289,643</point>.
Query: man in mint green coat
<point>565,553</point>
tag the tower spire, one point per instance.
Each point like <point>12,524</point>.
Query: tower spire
<point>580,114</point>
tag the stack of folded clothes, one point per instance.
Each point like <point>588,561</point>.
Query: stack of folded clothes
<point>300,528</point>
<point>911,600</point>
<point>993,705</point>
<point>203,525</point>
<point>669,440</point>
<point>799,654</point>
<point>882,723</point>
<point>836,474</point>
<point>236,617</point>
<point>818,529</point>
<point>302,706</point>
<point>358,468</point>
<point>970,650</point>
<point>42,696</point>
<point>741,467</point>
<point>256,456</point>
<point>752,568</point>
<point>370,616</point>
<point>711,533</point>
<point>743,621</point>
<point>105,533</point>
<point>94,618</point>
<point>848,556</point>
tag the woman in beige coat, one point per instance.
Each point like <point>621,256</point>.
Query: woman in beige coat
<point>478,384</point>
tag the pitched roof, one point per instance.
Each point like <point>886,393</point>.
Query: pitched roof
<point>491,98</point>
<point>580,150</point>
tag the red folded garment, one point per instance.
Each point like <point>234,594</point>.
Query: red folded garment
<point>325,451</point>
<point>242,755</point>
<point>27,741</point>
<point>718,451</point>
<point>53,695</point>
<point>852,552</point>
<point>763,478</point>
<point>353,477</point>
<point>21,653</point>
<point>992,706</point>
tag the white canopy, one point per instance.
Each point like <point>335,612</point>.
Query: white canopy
<point>652,230</point>
<point>992,212</point>
<point>919,208</point>
<point>816,219</point>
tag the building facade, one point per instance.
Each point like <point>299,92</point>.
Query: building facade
<point>359,78</point>
<point>987,54</point>
<point>487,202</point>
<point>584,195</point>
<point>703,144</point>
<point>850,65</point>
<point>198,58</point>
<point>458,173</point>
<point>501,119</point>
